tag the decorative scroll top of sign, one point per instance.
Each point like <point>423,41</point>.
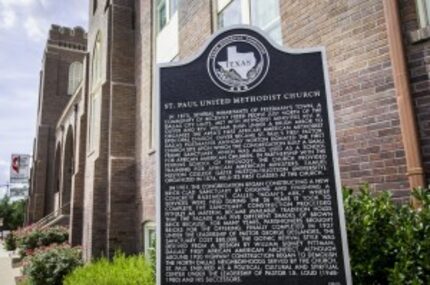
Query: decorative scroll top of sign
<point>238,63</point>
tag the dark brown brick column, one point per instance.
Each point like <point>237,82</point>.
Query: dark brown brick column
<point>121,224</point>
<point>77,202</point>
<point>110,174</point>
<point>145,154</point>
<point>38,192</point>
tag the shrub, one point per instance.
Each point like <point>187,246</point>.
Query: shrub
<point>388,243</point>
<point>411,243</point>
<point>10,242</point>
<point>53,235</point>
<point>133,270</point>
<point>28,239</point>
<point>12,213</point>
<point>368,223</point>
<point>49,265</point>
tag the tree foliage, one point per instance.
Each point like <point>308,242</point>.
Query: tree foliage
<point>12,213</point>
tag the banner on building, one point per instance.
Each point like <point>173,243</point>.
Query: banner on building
<point>20,168</point>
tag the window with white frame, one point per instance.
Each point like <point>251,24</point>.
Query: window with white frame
<point>167,41</point>
<point>232,13</point>
<point>423,11</point>
<point>166,46</point>
<point>75,77</point>
<point>263,14</point>
<point>165,10</point>
<point>149,238</point>
<point>161,14</point>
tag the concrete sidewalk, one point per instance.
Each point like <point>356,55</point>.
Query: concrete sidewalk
<point>7,273</point>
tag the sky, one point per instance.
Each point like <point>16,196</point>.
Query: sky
<point>24,26</point>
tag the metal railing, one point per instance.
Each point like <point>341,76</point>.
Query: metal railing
<point>50,217</point>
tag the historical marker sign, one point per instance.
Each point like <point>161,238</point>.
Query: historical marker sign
<point>249,189</point>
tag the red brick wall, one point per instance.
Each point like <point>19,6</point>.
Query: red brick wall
<point>368,130</point>
<point>95,183</point>
<point>110,187</point>
<point>195,26</point>
<point>418,58</point>
<point>367,121</point>
<point>354,35</point>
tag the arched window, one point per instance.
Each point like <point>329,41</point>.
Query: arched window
<point>75,77</point>
<point>97,61</point>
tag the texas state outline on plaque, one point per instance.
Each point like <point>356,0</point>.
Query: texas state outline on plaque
<point>242,63</point>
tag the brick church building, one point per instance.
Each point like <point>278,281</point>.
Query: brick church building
<point>95,149</point>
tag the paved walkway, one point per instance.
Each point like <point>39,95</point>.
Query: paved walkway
<point>7,273</point>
